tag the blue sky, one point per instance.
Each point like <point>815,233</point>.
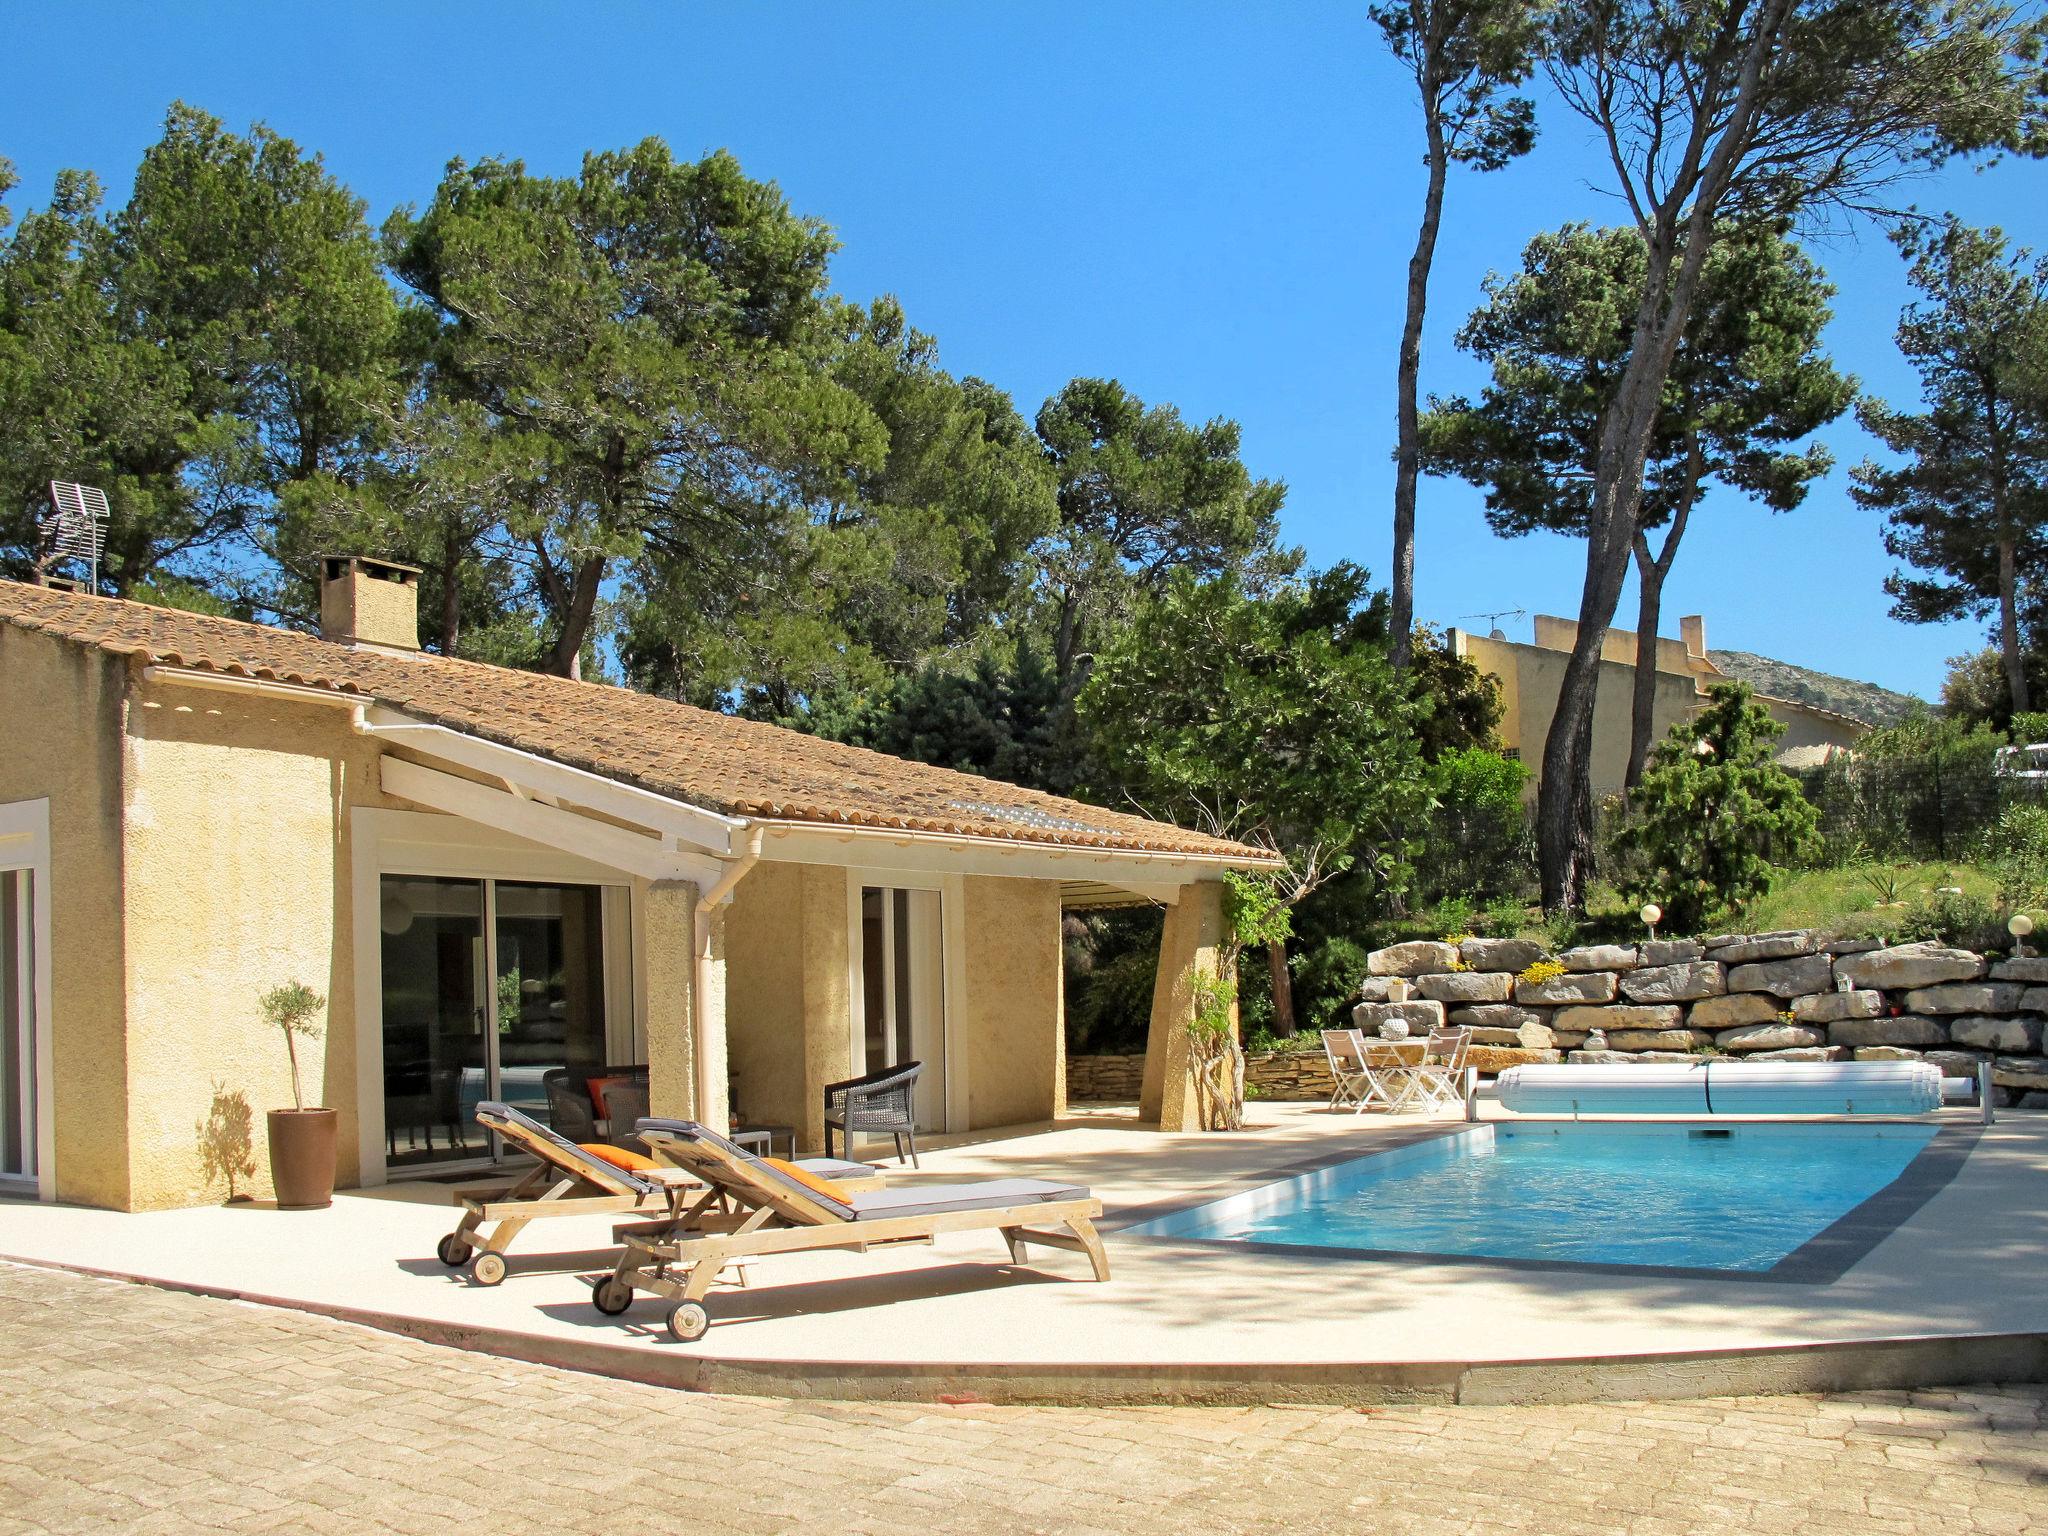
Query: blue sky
<point>1213,203</point>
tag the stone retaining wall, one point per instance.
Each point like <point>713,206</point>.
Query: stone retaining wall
<point>1797,995</point>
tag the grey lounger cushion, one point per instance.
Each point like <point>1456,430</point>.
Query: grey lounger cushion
<point>937,1199</point>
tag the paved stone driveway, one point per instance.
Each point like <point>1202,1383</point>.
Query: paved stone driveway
<point>137,1409</point>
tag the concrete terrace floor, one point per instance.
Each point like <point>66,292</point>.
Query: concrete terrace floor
<point>139,1410</point>
<point>1973,1260</point>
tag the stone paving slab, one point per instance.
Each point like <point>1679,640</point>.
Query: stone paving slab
<point>127,1407</point>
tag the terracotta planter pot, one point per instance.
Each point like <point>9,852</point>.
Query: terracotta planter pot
<point>302,1157</point>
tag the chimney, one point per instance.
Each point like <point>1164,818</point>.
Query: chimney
<point>370,602</point>
<point>1693,631</point>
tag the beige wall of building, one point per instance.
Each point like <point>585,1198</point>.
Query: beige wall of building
<point>64,706</point>
<point>1015,1015</point>
<point>1531,676</point>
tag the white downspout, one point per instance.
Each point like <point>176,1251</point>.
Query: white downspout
<point>707,1091</point>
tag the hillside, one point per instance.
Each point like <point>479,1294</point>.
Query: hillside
<point>1845,696</point>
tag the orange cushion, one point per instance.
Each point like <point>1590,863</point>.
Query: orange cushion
<point>598,1087</point>
<point>810,1181</point>
<point>618,1157</point>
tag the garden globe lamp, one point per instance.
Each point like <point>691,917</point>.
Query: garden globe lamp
<point>1652,914</point>
<point>2020,926</point>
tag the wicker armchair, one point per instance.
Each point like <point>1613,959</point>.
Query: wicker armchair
<point>878,1104</point>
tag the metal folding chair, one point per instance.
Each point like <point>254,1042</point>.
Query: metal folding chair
<point>1344,1050</point>
<point>1438,1082</point>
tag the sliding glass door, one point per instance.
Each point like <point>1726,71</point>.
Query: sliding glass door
<point>902,995</point>
<point>488,985</point>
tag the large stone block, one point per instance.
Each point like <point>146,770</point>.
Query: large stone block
<point>1831,1007</point>
<point>1783,978</point>
<point>1733,1009</point>
<point>1803,1053</point>
<point>1906,1029</point>
<point>1496,1016</point>
<point>1958,1063</point>
<point>1675,983</point>
<point>2034,1000</point>
<point>1657,1039</point>
<point>1769,1037</point>
<point>2032,969</point>
<point>1419,1014</point>
<point>1601,957</point>
<point>1491,1059</point>
<point>1885,1053</point>
<point>1374,989</point>
<point>2027,1073</point>
<point>1671,951</point>
<point>1625,1058</point>
<point>1582,987</point>
<point>1418,957</point>
<point>1909,965</point>
<point>1530,1037</point>
<point>1620,1016</point>
<point>2016,1036</point>
<point>1502,954</point>
<point>1467,986</point>
<point>1851,946</point>
<point>1966,997</point>
<point>1766,946</point>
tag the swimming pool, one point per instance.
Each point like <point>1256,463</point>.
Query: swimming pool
<point>1739,1199</point>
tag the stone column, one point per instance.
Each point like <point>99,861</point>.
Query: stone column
<point>1190,944</point>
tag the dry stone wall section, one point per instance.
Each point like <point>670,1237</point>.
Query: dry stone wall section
<point>1797,995</point>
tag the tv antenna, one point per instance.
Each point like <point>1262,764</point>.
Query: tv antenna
<point>1493,619</point>
<point>76,528</point>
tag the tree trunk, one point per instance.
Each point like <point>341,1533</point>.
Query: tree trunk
<point>565,657</point>
<point>1283,988</point>
<point>1065,639</point>
<point>451,590</point>
<point>1650,577</point>
<point>2009,626</point>
<point>1407,449</point>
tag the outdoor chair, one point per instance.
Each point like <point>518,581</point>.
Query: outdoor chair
<point>882,1103</point>
<point>1342,1048</point>
<point>756,1206</point>
<point>1438,1081</point>
<point>568,1179</point>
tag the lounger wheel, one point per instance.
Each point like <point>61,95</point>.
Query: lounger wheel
<point>689,1321</point>
<point>454,1252</point>
<point>611,1295</point>
<point>489,1269</point>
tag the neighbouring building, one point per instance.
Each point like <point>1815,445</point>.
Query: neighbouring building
<point>1531,674</point>
<point>491,874</point>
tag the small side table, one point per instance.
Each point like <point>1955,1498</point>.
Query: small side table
<point>762,1138</point>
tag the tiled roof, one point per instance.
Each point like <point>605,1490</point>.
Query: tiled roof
<point>717,762</point>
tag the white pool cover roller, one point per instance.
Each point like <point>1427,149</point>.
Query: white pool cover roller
<point>1726,1088</point>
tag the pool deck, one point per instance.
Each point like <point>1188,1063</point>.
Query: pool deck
<point>1959,1292</point>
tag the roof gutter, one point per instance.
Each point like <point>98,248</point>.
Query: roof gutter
<point>850,832</point>
<point>711,1107</point>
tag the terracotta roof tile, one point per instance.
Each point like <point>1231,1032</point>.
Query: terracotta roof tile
<point>715,761</point>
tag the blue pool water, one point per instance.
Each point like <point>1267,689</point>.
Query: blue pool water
<point>1740,1199</point>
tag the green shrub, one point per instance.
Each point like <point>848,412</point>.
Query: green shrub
<point>1951,916</point>
<point>2017,851</point>
<point>1478,844</point>
<point>1714,816</point>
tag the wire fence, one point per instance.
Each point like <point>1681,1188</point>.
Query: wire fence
<point>1939,805</point>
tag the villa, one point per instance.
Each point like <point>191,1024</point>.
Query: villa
<point>491,873</point>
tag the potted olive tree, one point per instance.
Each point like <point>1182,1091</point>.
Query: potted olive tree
<point>301,1139</point>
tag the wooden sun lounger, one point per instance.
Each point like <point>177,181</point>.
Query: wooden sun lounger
<point>752,1208</point>
<point>568,1181</point>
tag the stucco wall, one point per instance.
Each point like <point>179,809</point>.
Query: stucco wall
<point>1531,679</point>
<point>238,879</point>
<point>63,707</point>
<point>1014,1024</point>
